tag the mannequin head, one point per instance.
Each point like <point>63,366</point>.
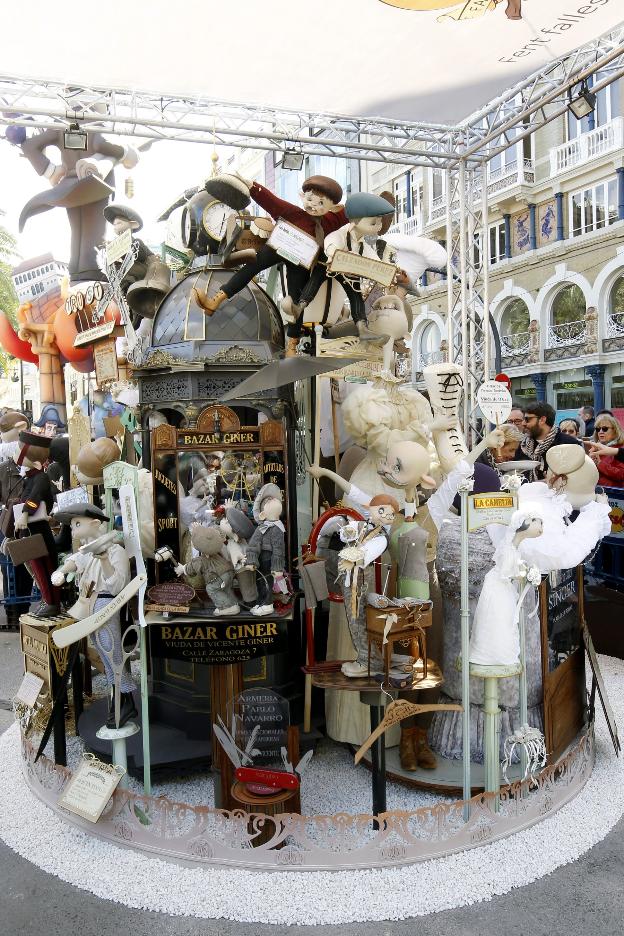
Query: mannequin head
<point>87,522</point>
<point>528,524</point>
<point>572,473</point>
<point>320,195</point>
<point>389,316</point>
<point>93,458</point>
<point>406,465</point>
<point>207,540</point>
<point>85,530</point>
<point>271,509</point>
<point>368,227</point>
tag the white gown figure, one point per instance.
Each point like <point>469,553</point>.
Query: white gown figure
<point>495,639</point>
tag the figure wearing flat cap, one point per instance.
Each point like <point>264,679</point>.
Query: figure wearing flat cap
<point>102,570</point>
<point>319,215</point>
<point>266,550</point>
<point>38,495</point>
<point>366,215</point>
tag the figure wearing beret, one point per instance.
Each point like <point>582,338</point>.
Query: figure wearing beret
<point>367,216</point>
<point>319,215</point>
<point>38,494</point>
<point>102,570</point>
<point>266,551</point>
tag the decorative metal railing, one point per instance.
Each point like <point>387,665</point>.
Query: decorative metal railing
<point>518,343</point>
<point>568,333</point>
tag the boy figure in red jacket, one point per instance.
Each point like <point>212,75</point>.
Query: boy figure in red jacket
<point>318,217</point>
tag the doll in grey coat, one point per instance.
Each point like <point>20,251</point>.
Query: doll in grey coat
<point>266,550</point>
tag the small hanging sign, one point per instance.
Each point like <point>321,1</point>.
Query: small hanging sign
<point>494,400</point>
<point>484,509</point>
<point>29,689</point>
<point>118,247</point>
<point>90,788</point>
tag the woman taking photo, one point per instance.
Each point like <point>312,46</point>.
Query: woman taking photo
<point>608,433</point>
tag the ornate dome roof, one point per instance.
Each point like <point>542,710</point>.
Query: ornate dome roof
<point>245,329</point>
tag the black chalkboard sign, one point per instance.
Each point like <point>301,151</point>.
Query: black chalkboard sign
<point>218,642</point>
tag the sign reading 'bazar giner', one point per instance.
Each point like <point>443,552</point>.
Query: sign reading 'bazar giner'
<point>219,642</point>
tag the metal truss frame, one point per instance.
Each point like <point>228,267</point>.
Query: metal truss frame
<point>461,151</point>
<point>42,104</point>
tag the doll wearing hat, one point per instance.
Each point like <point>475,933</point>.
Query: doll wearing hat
<point>103,570</point>
<point>38,496</point>
<point>11,424</point>
<point>266,550</point>
<point>318,215</point>
<point>365,214</point>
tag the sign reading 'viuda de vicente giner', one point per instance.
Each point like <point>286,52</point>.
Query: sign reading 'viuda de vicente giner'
<point>219,642</point>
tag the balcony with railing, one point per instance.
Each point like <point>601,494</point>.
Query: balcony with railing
<point>518,343</point>
<point>424,359</point>
<point>588,146</point>
<point>501,179</point>
<point>562,340</point>
<point>411,225</point>
<point>614,339</point>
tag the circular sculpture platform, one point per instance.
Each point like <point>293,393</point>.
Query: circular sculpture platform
<point>395,872</point>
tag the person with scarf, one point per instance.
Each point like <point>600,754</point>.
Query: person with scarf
<point>540,434</point>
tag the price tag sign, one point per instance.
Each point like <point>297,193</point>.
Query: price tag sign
<point>118,247</point>
<point>494,400</point>
<point>293,244</point>
<point>90,789</point>
<point>29,690</point>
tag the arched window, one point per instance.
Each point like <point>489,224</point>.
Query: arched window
<point>567,317</point>
<point>515,327</point>
<point>429,344</point>
<point>568,305</point>
<point>616,297</point>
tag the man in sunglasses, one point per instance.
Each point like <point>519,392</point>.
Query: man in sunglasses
<point>540,435</point>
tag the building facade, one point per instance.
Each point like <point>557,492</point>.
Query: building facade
<point>37,276</point>
<point>556,254</point>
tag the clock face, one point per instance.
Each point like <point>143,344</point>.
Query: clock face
<point>215,218</point>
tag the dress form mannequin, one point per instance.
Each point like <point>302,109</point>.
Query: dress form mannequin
<point>445,385</point>
<point>494,640</point>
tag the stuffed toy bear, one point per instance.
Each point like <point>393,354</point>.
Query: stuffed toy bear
<point>213,566</point>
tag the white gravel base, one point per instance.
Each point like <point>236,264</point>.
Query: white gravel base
<point>300,898</point>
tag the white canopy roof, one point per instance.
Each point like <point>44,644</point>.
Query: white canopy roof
<point>437,62</point>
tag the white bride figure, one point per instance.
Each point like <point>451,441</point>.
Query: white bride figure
<point>495,639</point>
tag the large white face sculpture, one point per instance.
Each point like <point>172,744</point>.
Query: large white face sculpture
<point>406,465</point>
